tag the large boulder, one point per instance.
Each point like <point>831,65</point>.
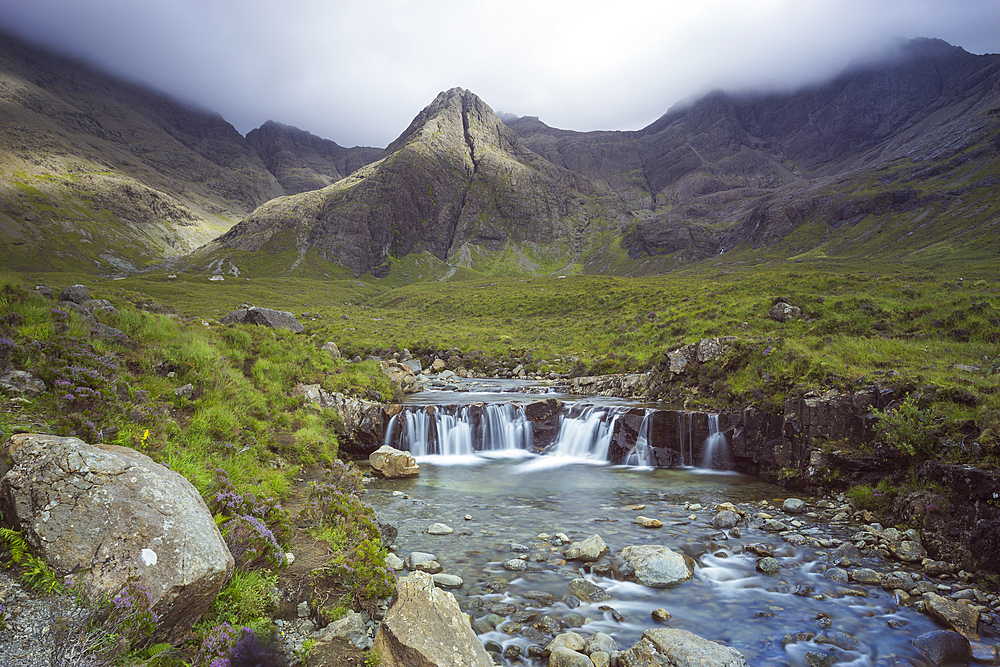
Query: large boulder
<point>670,647</point>
<point>265,317</point>
<point>424,627</point>
<point>106,514</point>
<point>392,463</point>
<point>653,565</point>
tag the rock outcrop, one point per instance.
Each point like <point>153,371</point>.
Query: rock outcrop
<point>424,627</point>
<point>103,514</point>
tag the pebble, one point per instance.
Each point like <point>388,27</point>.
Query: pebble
<point>647,522</point>
<point>515,565</point>
<point>660,614</point>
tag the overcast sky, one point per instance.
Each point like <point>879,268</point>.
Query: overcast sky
<point>358,71</point>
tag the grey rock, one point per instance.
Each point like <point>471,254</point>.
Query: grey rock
<point>653,565</point>
<point>22,383</point>
<point>412,559</point>
<point>267,317</point>
<point>567,640</point>
<point>898,580</point>
<point>393,463</point>
<point>725,520</point>
<point>75,294</point>
<point>944,648</point>
<point>600,642</point>
<point>962,618</point>
<point>108,514</point>
<point>515,565</point>
<point>768,565</point>
<point>587,591</point>
<point>670,647</point>
<point>866,576</point>
<point>428,566</point>
<point>782,312</point>
<point>352,628</point>
<point>440,529</point>
<point>425,626</point>
<point>448,580</point>
<point>564,657</point>
<point>331,348</point>
<point>393,562</point>
<point>793,506</point>
<point>185,391</point>
<point>587,550</point>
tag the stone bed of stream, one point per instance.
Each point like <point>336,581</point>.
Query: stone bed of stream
<point>819,602</point>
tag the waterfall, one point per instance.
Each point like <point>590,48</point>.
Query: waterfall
<point>585,434</point>
<point>639,454</point>
<point>455,432</point>
<point>685,427</point>
<point>716,449</point>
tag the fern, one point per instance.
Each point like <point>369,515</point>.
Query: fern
<point>17,548</point>
<point>34,571</point>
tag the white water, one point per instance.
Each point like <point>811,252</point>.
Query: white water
<point>502,428</point>
<point>640,455</point>
<point>716,449</point>
<point>453,436</point>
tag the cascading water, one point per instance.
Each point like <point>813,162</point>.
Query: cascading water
<point>639,455</point>
<point>585,434</point>
<point>500,427</point>
<point>716,453</point>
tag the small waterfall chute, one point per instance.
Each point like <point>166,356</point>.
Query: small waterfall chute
<point>639,455</point>
<point>716,454</point>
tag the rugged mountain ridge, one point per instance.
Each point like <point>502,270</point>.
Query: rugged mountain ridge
<point>893,159</point>
<point>722,159</point>
<point>302,161</point>
<point>455,183</point>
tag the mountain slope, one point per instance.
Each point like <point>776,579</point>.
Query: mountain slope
<point>97,170</point>
<point>302,161</point>
<point>457,184</point>
<point>727,161</point>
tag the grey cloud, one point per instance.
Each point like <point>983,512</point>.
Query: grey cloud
<point>358,71</point>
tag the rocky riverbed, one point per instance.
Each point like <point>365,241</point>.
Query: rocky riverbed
<point>783,581</point>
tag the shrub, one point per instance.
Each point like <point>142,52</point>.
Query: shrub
<point>907,428</point>
<point>252,543</point>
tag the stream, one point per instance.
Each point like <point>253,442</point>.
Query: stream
<point>506,502</point>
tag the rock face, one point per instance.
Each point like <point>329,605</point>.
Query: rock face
<point>392,463</point>
<point>653,565</point>
<point>105,514</point>
<point>669,647</point>
<point>266,317</point>
<point>424,627</point>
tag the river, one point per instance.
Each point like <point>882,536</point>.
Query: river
<point>501,501</point>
